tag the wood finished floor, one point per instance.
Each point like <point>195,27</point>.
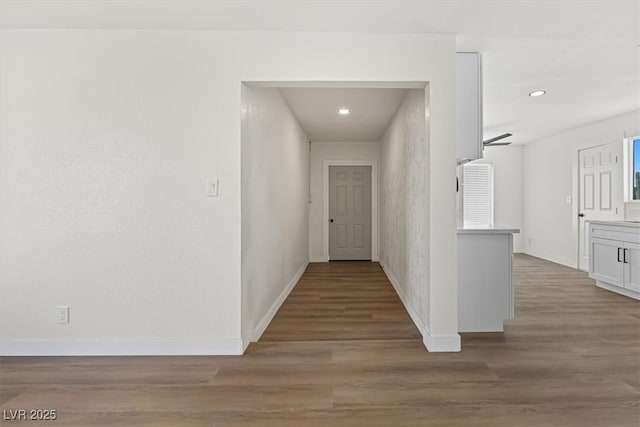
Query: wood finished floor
<point>571,357</point>
<point>342,301</point>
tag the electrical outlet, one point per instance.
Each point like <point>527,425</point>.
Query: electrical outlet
<point>63,314</point>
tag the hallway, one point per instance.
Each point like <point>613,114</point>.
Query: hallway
<point>350,300</point>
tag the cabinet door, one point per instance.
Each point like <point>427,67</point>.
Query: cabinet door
<point>632,266</point>
<point>468,106</point>
<point>604,261</point>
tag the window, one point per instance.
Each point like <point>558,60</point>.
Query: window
<point>635,177</point>
<point>477,194</point>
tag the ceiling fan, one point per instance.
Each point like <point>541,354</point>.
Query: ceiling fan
<point>491,142</point>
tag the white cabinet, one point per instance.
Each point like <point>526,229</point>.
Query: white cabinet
<point>468,107</point>
<point>632,267</point>
<point>485,278</point>
<point>614,260</point>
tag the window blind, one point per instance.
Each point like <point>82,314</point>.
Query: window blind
<point>478,194</point>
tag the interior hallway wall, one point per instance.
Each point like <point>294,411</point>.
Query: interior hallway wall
<point>551,175</point>
<point>404,237</point>
<point>321,151</point>
<point>275,216</point>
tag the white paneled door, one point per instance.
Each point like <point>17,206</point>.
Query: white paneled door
<point>349,213</point>
<point>600,173</point>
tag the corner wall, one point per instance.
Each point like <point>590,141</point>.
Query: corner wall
<point>551,175</point>
<point>275,216</point>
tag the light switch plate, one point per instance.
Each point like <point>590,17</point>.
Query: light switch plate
<point>63,314</point>
<point>213,188</point>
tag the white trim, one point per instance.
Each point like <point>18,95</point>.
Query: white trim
<point>433,343</point>
<point>268,317</point>
<point>442,343</point>
<point>374,203</point>
<point>339,84</point>
<point>121,347</point>
<point>551,258</point>
<point>415,317</point>
<point>627,168</point>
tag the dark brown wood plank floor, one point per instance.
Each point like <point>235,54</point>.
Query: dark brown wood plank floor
<point>347,300</point>
<point>571,357</point>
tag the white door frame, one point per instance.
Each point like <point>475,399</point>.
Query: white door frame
<point>374,203</point>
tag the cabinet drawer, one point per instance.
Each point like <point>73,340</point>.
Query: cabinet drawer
<point>614,232</point>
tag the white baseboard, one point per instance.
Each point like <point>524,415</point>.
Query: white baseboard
<point>442,343</point>
<point>618,290</point>
<point>550,258</point>
<point>403,298</point>
<point>260,328</point>
<point>121,347</point>
<point>319,259</point>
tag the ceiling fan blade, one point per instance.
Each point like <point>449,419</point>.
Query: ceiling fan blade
<point>495,144</point>
<point>497,138</point>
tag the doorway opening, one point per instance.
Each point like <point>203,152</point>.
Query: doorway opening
<point>350,210</point>
<point>305,163</point>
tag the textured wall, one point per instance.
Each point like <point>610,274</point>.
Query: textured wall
<point>275,191</point>
<point>404,202</point>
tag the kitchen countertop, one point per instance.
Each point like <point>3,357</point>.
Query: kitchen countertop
<point>633,224</point>
<point>491,229</point>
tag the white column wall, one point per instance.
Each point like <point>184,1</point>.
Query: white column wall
<point>417,238</point>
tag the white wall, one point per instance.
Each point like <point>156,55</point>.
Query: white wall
<point>321,151</point>
<point>404,195</point>
<point>551,175</point>
<point>275,216</point>
<point>107,140</point>
<point>508,185</point>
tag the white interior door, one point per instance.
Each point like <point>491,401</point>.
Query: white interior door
<point>600,174</point>
<point>349,213</point>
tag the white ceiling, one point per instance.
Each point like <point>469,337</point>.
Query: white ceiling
<point>317,111</point>
<point>585,54</point>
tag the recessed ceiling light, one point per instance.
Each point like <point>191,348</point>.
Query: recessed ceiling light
<point>537,93</point>
<point>344,111</point>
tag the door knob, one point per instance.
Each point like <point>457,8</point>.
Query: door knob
<point>331,220</point>
<point>580,215</point>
